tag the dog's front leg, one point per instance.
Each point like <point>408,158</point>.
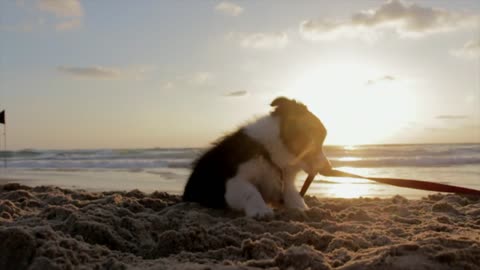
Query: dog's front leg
<point>242,195</point>
<point>291,196</point>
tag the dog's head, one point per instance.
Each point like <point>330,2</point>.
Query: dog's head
<point>302,133</point>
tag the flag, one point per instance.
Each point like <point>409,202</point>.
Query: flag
<point>2,117</point>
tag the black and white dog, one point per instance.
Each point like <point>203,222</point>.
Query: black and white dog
<point>257,164</point>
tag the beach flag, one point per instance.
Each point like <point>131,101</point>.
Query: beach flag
<point>2,121</point>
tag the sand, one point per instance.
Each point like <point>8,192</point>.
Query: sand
<point>52,228</point>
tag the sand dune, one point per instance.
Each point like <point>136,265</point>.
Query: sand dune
<point>53,228</point>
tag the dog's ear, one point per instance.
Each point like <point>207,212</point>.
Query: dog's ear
<point>281,102</point>
<point>286,104</point>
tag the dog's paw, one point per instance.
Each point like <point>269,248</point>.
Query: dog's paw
<point>295,202</point>
<point>259,212</point>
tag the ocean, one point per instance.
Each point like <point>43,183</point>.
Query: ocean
<point>167,169</point>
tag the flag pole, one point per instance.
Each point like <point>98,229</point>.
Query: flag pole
<point>5,145</point>
<point>4,122</point>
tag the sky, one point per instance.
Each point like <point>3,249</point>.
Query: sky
<point>136,74</point>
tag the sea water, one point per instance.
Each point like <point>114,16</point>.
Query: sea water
<point>167,169</point>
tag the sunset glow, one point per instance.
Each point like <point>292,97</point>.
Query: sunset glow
<point>356,110</point>
<point>152,79</point>
<point>239,134</point>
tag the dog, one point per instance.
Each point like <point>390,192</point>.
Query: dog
<point>256,165</point>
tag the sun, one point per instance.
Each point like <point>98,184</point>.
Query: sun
<point>357,102</point>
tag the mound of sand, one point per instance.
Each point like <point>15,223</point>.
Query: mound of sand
<point>53,228</point>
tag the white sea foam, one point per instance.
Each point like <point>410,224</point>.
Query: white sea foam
<point>361,156</point>
<point>168,169</point>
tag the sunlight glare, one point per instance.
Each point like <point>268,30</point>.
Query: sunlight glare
<point>346,187</point>
<point>349,190</point>
<point>350,147</point>
<point>354,110</point>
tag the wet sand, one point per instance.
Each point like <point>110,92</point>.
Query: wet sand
<point>47,227</point>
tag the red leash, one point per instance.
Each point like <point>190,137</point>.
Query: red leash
<point>408,183</point>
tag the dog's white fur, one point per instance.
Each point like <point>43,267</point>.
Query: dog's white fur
<point>257,182</point>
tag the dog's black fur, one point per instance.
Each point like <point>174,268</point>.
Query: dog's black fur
<point>206,184</point>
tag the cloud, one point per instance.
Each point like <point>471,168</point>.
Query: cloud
<point>91,72</point>
<point>470,50</point>
<point>451,117</point>
<point>62,8</point>
<point>70,9</point>
<point>275,40</point>
<point>385,78</point>
<point>99,72</point>
<point>240,93</point>
<point>407,20</point>
<point>229,8</point>
<point>67,15</point>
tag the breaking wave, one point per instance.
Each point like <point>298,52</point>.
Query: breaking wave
<point>357,156</point>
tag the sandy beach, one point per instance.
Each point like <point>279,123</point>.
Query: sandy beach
<point>110,111</point>
<point>52,228</point>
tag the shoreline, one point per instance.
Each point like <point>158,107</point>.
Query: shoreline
<point>46,227</point>
<point>121,181</point>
